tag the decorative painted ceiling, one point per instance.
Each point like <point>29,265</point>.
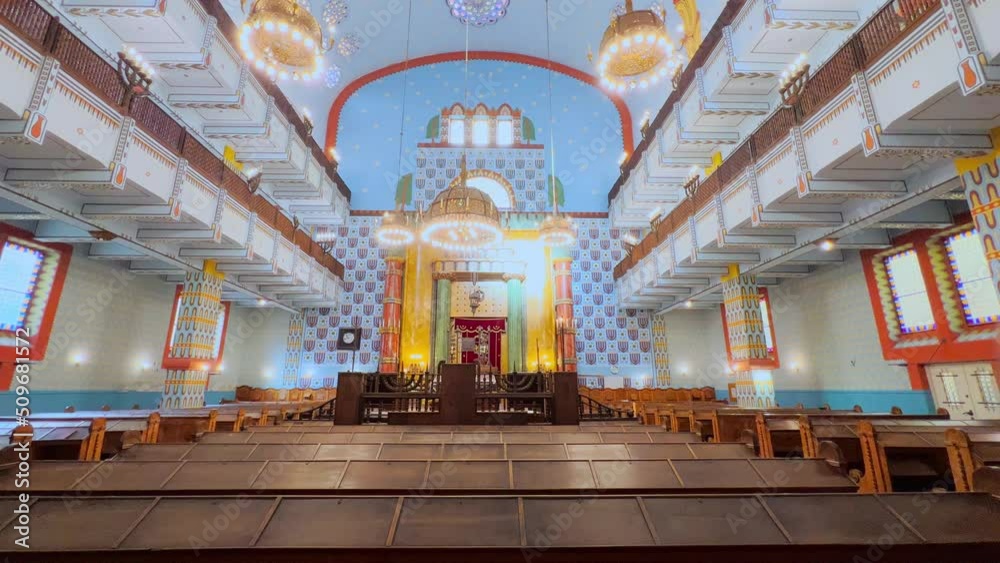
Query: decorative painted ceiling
<point>376,34</point>
<point>585,124</point>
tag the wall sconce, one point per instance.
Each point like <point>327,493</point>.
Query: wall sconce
<point>644,126</point>
<point>78,359</point>
<point>307,122</point>
<point>254,177</point>
<point>826,245</point>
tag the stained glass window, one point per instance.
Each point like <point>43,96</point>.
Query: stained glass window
<point>909,293</point>
<point>972,278</point>
<point>19,269</point>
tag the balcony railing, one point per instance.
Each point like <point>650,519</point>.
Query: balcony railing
<point>41,29</point>
<point>881,33</point>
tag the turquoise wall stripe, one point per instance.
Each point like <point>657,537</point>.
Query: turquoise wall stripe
<point>56,401</point>
<point>912,402</point>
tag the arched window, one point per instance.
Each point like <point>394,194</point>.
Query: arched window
<point>505,131</point>
<point>480,130</point>
<point>456,130</point>
<point>494,189</point>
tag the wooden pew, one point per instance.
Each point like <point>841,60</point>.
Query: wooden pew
<point>907,457</point>
<point>77,442</point>
<point>783,434</point>
<point>110,529</point>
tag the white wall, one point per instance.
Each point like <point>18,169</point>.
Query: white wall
<point>696,348</point>
<point>109,330</point>
<point>111,325</point>
<point>255,347</point>
<point>825,332</point>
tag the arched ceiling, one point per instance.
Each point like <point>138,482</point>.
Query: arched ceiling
<point>393,31</point>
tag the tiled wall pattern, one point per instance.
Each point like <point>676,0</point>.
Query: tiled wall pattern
<point>609,341</point>
<point>523,169</point>
<point>364,288</point>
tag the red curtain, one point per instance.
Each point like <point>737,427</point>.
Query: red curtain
<point>495,328</point>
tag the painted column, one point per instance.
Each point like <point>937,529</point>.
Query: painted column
<point>747,344</point>
<point>515,322</point>
<point>293,351</point>
<point>392,314</point>
<point>661,356</point>
<point>565,327</point>
<point>981,177</point>
<point>442,320</point>
<point>194,338</point>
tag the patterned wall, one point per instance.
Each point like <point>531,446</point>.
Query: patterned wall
<point>522,168</point>
<point>364,288</point>
<point>609,341</point>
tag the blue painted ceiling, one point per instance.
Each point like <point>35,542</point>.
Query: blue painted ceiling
<point>391,31</point>
<point>584,123</point>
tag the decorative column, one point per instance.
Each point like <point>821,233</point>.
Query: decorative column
<point>293,350</point>
<point>515,322</point>
<point>195,325</point>
<point>566,329</point>
<point>747,344</point>
<point>392,314</point>
<point>981,177</point>
<point>442,319</point>
<point>661,356</point>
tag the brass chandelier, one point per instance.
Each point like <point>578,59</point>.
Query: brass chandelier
<point>556,230</point>
<point>460,219</point>
<point>636,51</point>
<point>282,39</point>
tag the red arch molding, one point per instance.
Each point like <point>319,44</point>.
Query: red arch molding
<point>338,105</point>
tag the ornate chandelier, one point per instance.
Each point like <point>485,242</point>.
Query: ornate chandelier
<point>283,39</point>
<point>395,230</point>
<point>636,51</point>
<point>478,12</point>
<point>462,218</point>
<point>557,230</point>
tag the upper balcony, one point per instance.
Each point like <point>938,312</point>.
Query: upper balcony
<point>206,82</point>
<point>123,173</point>
<point>865,146</point>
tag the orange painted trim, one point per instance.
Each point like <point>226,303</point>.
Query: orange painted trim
<point>38,342</point>
<point>918,377</point>
<point>333,124</point>
<point>947,348</point>
<point>210,365</point>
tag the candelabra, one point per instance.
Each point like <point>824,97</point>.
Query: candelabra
<point>135,75</point>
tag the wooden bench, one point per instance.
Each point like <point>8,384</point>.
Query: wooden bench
<point>79,442</point>
<point>437,476</point>
<point>897,457</point>
<point>509,527</point>
<point>780,434</point>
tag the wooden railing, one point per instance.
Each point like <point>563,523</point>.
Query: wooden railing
<point>881,33</point>
<point>151,118</point>
<point>30,21</point>
<point>589,409</point>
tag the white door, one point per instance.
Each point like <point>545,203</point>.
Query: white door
<point>983,391</point>
<point>966,391</point>
<point>950,390</point>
